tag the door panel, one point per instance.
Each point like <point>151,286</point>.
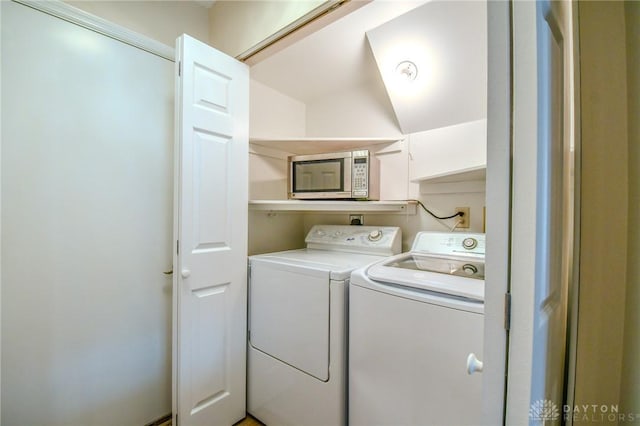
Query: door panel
<point>550,317</point>
<point>211,236</point>
<point>542,212</point>
<point>298,334</point>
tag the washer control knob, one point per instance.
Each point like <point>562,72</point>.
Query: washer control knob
<point>469,269</point>
<point>469,243</point>
<point>375,235</point>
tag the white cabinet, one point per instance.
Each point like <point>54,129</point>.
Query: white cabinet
<point>450,159</point>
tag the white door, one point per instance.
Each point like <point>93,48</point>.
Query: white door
<point>210,284</point>
<point>542,215</point>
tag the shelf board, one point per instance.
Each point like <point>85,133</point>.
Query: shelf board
<point>406,207</point>
<point>302,146</point>
<point>463,175</point>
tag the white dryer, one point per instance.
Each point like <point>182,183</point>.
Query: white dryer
<point>414,322</point>
<point>297,352</point>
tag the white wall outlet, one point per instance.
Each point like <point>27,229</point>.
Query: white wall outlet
<point>464,220</point>
<point>356,219</point>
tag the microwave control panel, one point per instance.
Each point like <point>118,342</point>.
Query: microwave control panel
<point>360,173</point>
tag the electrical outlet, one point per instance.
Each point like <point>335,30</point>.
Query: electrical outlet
<point>356,219</point>
<point>464,220</point>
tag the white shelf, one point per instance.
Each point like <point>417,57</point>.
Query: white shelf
<point>320,145</point>
<point>457,181</point>
<point>405,207</point>
<point>463,175</point>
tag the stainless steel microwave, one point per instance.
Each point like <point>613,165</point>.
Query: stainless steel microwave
<point>339,175</point>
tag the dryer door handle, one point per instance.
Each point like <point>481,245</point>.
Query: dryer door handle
<point>474,364</point>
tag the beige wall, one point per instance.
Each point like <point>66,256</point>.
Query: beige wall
<point>236,26</point>
<point>603,195</point>
<point>273,114</point>
<point>355,112</point>
<point>630,389</point>
<point>163,21</point>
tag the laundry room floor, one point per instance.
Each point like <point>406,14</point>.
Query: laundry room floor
<point>247,421</point>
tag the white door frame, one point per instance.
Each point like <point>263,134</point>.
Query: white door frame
<point>498,201</point>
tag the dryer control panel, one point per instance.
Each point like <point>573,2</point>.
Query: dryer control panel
<point>380,240</point>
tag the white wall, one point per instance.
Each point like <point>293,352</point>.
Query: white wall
<point>447,43</point>
<point>273,114</point>
<point>458,147</point>
<point>363,111</point>
<point>163,21</point>
<point>87,155</point>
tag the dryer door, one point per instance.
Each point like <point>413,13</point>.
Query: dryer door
<point>289,315</point>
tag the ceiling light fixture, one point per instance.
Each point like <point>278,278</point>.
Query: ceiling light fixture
<point>407,70</point>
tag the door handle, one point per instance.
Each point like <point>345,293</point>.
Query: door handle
<point>185,273</point>
<point>474,364</point>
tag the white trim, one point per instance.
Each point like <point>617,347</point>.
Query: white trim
<point>326,7</point>
<point>91,22</point>
<point>0,217</point>
<point>498,213</point>
<point>388,207</point>
<point>524,209</point>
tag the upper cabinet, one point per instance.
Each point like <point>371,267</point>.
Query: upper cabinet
<point>449,151</point>
<point>450,159</point>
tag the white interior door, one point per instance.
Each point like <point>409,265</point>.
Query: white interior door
<point>542,214</point>
<point>555,236</point>
<point>210,284</point>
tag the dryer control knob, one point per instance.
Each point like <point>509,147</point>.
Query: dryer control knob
<point>375,235</point>
<point>469,269</point>
<point>469,243</point>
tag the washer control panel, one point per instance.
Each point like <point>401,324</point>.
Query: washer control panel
<point>450,243</point>
<point>383,240</point>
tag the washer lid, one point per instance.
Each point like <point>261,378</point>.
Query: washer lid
<point>338,264</point>
<point>446,275</point>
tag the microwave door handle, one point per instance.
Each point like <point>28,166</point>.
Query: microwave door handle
<point>348,167</point>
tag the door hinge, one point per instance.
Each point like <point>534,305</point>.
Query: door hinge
<point>177,246</point>
<point>507,311</point>
<point>179,68</point>
<point>177,420</point>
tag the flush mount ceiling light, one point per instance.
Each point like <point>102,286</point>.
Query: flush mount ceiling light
<point>407,70</point>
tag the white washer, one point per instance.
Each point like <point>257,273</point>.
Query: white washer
<point>297,353</point>
<point>414,319</point>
